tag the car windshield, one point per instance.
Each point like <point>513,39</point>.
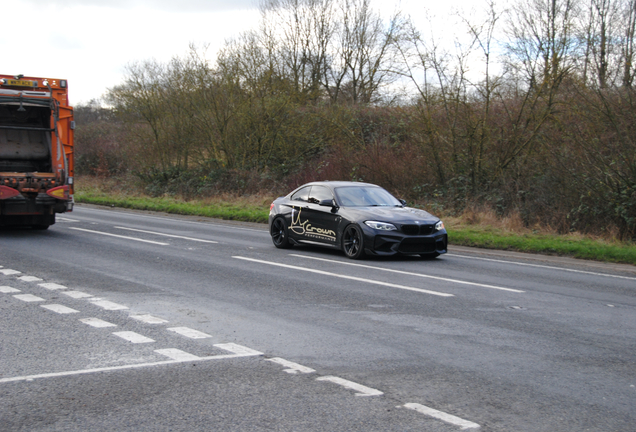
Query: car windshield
<point>365,196</point>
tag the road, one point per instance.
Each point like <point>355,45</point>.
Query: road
<point>122,320</point>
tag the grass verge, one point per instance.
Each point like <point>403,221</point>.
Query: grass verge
<point>256,209</point>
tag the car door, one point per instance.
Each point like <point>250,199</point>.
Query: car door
<point>321,220</point>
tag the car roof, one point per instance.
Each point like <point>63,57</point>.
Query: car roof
<point>339,183</point>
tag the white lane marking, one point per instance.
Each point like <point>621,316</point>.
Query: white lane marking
<point>149,319</point>
<point>29,278</point>
<point>77,294</point>
<point>107,305</point>
<point>362,390</point>
<point>63,219</point>
<point>124,367</point>
<point>292,367</point>
<point>96,322</point>
<point>411,274</point>
<point>8,289</point>
<point>441,294</point>
<point>58,308</point>
<point>167,235</point>
<point>52,286</point>
<point>120,236</point>
<point>447,418</point>
<point>133,337</point>
<point>177,354</point>
<point>28,297</point>
<point>543,266</point>
<point>188,332</point>
<point>9,272</point>
<point>238,349</point>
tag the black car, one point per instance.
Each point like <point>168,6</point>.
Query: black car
<point>358,218</point>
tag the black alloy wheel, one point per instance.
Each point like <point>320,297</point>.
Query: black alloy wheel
<point>278,231</point>
<point>352,243</point>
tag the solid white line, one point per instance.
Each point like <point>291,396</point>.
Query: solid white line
<point>188,332</point>
<point>58,308</point>
<point>167,235</point>
<point>107,305</point>
<point>441,294</point>
<point>52,286</point>
<point>124,367</point>
<point>8,289</point>
<point>447,418</point>
<point>96,322</point>
<point>148,319</point>
<point>292,367</point>
<point>543,266</point>
<point>411,274</point>
<point>120,236</point>
<point>28,297</point>
<point>133,337</point>
<point>177,354</point>
<point>362,390</point>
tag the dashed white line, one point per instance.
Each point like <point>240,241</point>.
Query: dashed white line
<point>167,235</point>
<point>29,278</point>
<point>9,272</point>
<point>447,418</point>
<point>98,323</point>
<point>107,305</point>
<point>457,281</point>
<point>52,286</point>
<point>375,282</point>
<point>58,308</point>
<point>543,266</point>
<point>120,236</point>
<point>28,298</point>
<point>8,289</point>
<point>362,390</point>
<point>188,332</point>
<point>77,294</point>
<point>292,368</point>
<point>149,319</point>
<point>238,349</point>
<point>133,337</point>
<point>177,354</point>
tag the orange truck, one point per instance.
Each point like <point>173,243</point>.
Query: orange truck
<point>36,151</point>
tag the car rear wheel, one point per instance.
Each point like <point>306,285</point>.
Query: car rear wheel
<point>279,233</point>
<point>352,242</point>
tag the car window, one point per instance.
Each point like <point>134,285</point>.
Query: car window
<point>301,195</point>
<point>319,193</point>
<point>365,196</point>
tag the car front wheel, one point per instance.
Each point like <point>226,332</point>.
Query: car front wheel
<point>279,233</point>
<point>352,242</point>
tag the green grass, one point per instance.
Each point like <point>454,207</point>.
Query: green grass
<point>257,210</point>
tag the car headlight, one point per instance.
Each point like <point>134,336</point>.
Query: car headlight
<point>439,226</point>
<point>382,226</point>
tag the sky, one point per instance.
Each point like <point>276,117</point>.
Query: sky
<point>90,42</point>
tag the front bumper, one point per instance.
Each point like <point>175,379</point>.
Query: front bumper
<point>394,243</point>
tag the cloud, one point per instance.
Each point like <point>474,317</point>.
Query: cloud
<point>159,5</point>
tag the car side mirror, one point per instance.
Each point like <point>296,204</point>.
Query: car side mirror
<point>329,203</point>
<point>403,202</point>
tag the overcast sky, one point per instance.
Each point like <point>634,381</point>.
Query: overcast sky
<point>90,42</point>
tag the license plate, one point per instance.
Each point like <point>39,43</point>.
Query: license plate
<point>21,83</point>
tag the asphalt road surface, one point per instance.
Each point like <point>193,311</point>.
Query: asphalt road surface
<point>117,320</point>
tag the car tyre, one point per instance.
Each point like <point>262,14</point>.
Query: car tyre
<point>280,233</point>
<point>353,242</point>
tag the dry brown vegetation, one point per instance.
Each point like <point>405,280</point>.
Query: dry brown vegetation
<point>546,144</point>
